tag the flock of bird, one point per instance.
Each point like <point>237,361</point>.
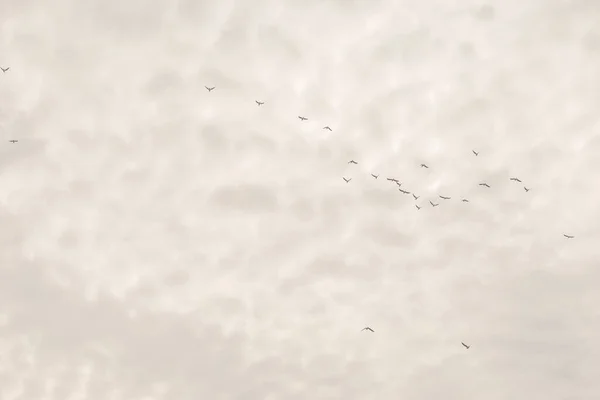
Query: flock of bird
<point>406,192</point>
<point>401,190</point>
<point>393,180</point>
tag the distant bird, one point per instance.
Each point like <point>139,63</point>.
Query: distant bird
<point>302,118</point>
<point>367,329</point>
<point>398,183</point>
<point>465,200</point>
<point>328,128</point>
<point>260,103</point>
<point>484,184</point>
<point>210,89</point>
<point>515,179</point>
<point>416,197</point>
<point>526,189</point>
<point>404,191</point>
<point>445,198</point>
<point>352,162</point>
<point>432,204</point>
<point>467,347</point>
<point>4,69</point>
<point>347,180</point>
<point>568,237</point>
<point>474,152</point>
<point>375,176</point>
<point>424,166</point>
<point>392,180</point>
<point>13,141</point>
<point>418,208</point>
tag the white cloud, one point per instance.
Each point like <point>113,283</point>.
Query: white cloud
<point>160,241</point>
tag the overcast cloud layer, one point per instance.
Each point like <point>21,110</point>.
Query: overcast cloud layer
<point>158,241</point>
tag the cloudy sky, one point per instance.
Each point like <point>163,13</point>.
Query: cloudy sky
<point>159,241</point>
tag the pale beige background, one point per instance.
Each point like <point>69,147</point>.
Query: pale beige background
<point>162,242</point>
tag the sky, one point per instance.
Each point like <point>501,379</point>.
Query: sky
<point>160,241</point>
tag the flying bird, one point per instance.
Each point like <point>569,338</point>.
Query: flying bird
<point>398,183</point>
<point>424,166</point>
<point>367,329</point>
<point>467,347</point>
<point>352,162</point>
<point>465,200</point>
<point>375,176</point>
<point>302,118</point>
<point>418,208</point>
<point>568,237</point>
<point>515,179</point>
<point>526,189</point>
<point>404,191</point>
<point>328,128</point>
<point>347,180</point>
<point>4,69</point>
<point>392,180</point>
<point>474,152</point>
<point>416,197</point>
<point>13,141</point>
<point>260,103</point>
<point>432,204</point>
<point>445,198</point>
<point>484,184</point>
<point>210,89</point>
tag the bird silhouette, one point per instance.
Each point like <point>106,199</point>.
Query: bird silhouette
<point>568,237</point>
<point>484,184</point>
<point>375,176</point>
<point>392,180</point>
<point>347,180</point>
<point>474,152</point>
<point>4,69</point>
<point>13,141</point>
<point>418,208</point>
<point>328,128</point>
<point>515,179</point>
<point>367,329</point>
<point>467,347</point>
<point>416,197</point>
<point>404,191</point>
<point>352,162</point>
<point>302,118</point>
<point>526,189</point>
<point>424,166</point>
<point>210,89</point>
<point>445,198</point>
<point>465,200</point>
<point>432,204</point>
<point>260,103</point>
